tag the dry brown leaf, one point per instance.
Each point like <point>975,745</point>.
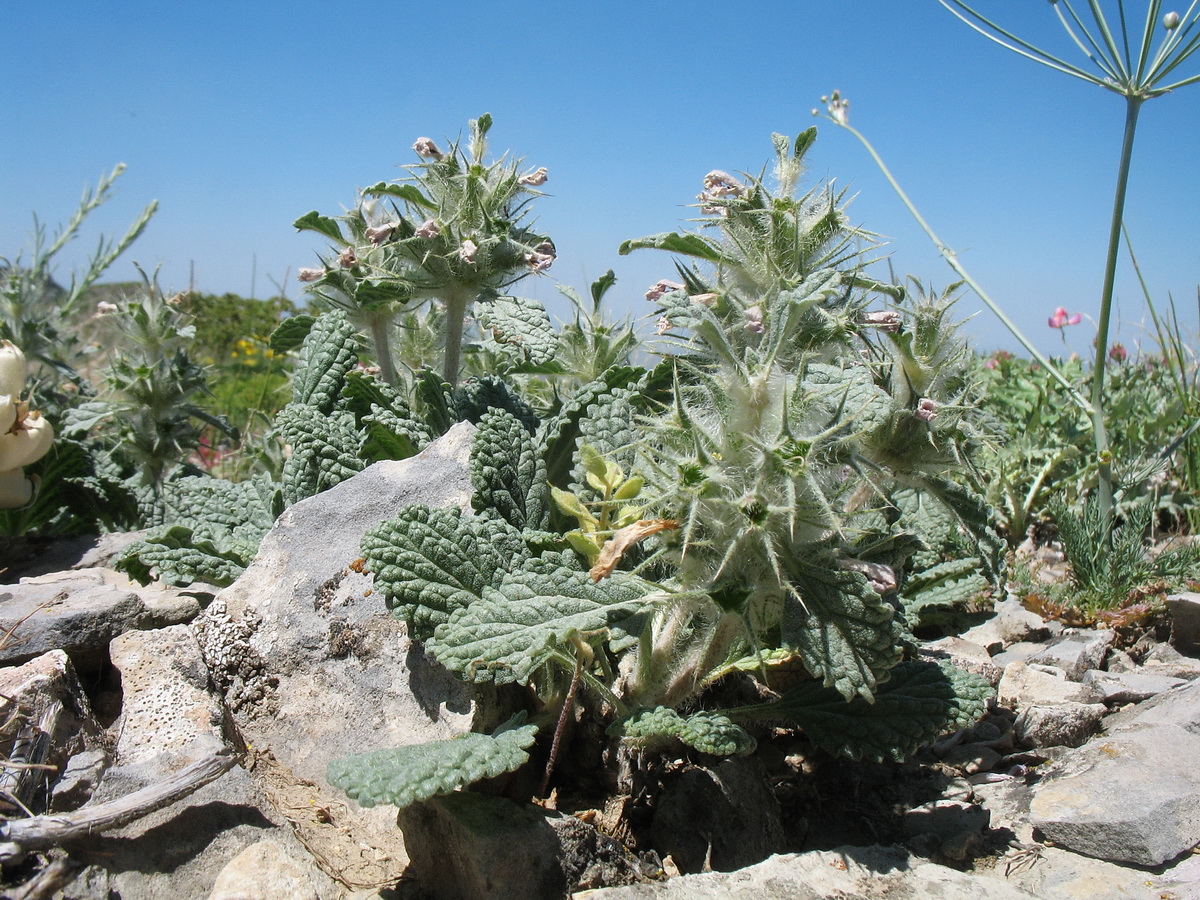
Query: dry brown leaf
<point>624,538</point>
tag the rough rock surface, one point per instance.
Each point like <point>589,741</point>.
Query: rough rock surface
<point>1076,652</point>
<point>314,667</point>
<point>1185,621</point>
<point>1132,796</point>
<point>1010,622</point>
<point>1025,685</point>
<point>846,873</point>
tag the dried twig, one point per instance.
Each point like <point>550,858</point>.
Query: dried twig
<point>19,837</point>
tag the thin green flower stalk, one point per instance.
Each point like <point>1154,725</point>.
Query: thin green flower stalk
<point>1137,71</point>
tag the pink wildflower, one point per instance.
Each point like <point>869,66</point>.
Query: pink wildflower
<point>309,274</point>
<point>468,250</point>
<point>427,149</point>
<point>534,179</point>
<point>1061,319</point>
<point>347,259</point>
<point>428,229</point>
<point>661,287</point>
<point>754,319</point>
<point>1118,353</point>
<point>662,326</point>
<point>380,233</point>
<point>926,410</point>
<point>887,320</point>
<point>104,308</point>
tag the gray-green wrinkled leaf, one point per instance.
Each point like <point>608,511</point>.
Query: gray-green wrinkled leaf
<point>429,563</point>
<point>329,351</point>
<point>515,627</point>
<point>558,435</point>
<point>406,775</point>
<point>845,633</point>
<point>520,325</point>
<point>291,333</point>
<point>326,449</point>
<point>952,583</point>
<point>475,397</point>
<point>674,242</point>
<point>175,556</point>
<point>609,428</point>
<point>314,221</point>
<point>921,701</point>
<point>849,396</point>
<point>706,731</point>
<point>408,192</point>
<point>507,472</point>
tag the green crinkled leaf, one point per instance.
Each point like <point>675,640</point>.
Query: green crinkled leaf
<point>608,427</point>
<point>848,395</point>
<point>515,627</point>
<point>329,351</point>
<point>475,397</point>
<point>406,775</point>
<point>291,333</point>
<point>314,221</point>
<point>674,242</point>
<point>558,435</point>
<point>921,701</point>
<point>845,633</point>
<point>520,325</point>
<point>706,731</point>
<point>179,558</point>
<point>393,430</point>
<point>950,583</point>
<point>409,192</point>
<point>436,400</point>
<point>507,473</point>
<point>429,563</point>
<point>326,449</point>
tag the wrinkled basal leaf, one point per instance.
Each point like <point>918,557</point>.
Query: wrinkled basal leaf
<point>521,326</point>
<point>515,626</point>
<point>706,731</point>
<point>507,473</point>
<point>429,563</point>
<point>406,775</point>
<point>921,701</point>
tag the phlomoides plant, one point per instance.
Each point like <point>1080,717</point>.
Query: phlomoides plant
<point>773,495</point>
<point>1137,64</point>
<point>454,232</point>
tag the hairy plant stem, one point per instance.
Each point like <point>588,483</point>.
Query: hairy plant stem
<point>1133,105</point>
<point>455,300</point>
<point>379,321</point>
<point>952,259</point>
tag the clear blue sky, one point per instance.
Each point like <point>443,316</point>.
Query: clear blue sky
<point>240,117</point>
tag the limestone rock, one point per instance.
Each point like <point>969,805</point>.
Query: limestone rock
<point>1133,796</point>
<point>267,870</point>
<point>46,719</point>
<point>951,828</point>
<point>965,655</point>
<point>1119,688</point>
<point>1010,622</point>
<point>1076,652</point>
<point>313,666</point>
<point>853,873</point>
<point>1023,685</point>
<point>1058,724</point>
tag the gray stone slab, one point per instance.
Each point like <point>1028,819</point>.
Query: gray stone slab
<point>1076,652</point>
<point>1120,688</point>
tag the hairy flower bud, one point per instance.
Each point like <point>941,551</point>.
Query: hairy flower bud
<point>27,441</point>
<point>754,319</point>
<point>661,287</point>
<point>468,250</point>
<point>380,233</point>
<point>535,178</point>
<point>307,275</point>
<point>427,149</point>
<point>926,410</point>
<point>887,320</point>
<point>1171,21</point>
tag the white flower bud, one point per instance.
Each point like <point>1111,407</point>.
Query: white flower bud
<point>27,443</point>
<point>1171,21</point>
<point>15,489</point>
<point>104,308</point>
<point>13,369</point>
<point>468,250</point>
